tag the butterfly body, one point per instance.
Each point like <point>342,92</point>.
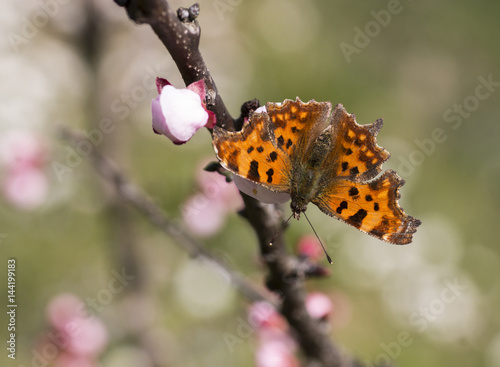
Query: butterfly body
<point>321,157</point>
<point>308,178</point>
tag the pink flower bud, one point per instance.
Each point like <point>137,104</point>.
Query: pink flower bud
<point>309,246</point>
<point>263,315</point>
<point>180,113</point>
<point>318,305</point>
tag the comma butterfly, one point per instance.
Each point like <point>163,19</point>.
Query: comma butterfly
<point>331,161</point>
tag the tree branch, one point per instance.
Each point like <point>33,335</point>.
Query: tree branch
<point>181,38</point>
<point>137,198</point>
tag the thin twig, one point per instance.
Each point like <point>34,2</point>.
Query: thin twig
<point>137,198</point>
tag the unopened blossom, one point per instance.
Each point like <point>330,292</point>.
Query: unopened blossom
<point>180,113</point>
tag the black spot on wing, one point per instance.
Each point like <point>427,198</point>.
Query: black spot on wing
<point>353,191</point>
<point>345,165</point>
<point>348,151</point>
<point>354,170</point>
<point>260,149</point>
<point>357,218</point>
<point>376,207</point>
<point>342,206</point>
<point>368,198</point>
<point>289,143</point>
<point>270,173</point>
<point>281,141</point>
<point>232,160</point>
<point>253,172</point>
<point>250,150</point>
<point>273,156</point>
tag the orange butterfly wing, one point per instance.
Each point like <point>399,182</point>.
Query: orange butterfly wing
<point>370,206</point>
<point>268,144</point>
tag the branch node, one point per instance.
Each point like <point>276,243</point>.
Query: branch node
<point>183,14</point>
<point>187,15</point>
<point>246,108</point>
<point>194,11</point>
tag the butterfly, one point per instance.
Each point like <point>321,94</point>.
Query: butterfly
<point>323,157</point>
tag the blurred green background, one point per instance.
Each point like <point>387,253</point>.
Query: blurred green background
<point>420,70</point>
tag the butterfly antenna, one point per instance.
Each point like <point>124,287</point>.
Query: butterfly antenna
<point>321,243</point>
<point>281,230</point>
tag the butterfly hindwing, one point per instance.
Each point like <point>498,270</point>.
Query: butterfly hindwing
<point>371,207</point>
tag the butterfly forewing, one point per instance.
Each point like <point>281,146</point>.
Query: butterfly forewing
<point>354,153</point>
<point>251,154</point>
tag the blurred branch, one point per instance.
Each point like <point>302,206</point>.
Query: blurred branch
<point>286,279</point>
<point>180,33</point>
<point>136,197</point>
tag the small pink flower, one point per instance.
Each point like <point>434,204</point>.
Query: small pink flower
<point>203,216</point>
<point>88,336</point>
<point>263,315</point>
<point>71,360</point>
<point>64,308</point>
<point>318,305</point>
<point>205,212</point>
<point>25,188</point>
<point>21,148</point>
<point>214,186</point>
<point>275,354</point>
<point>180,113</point>
<point>79,337</point>
<point>309,247</point>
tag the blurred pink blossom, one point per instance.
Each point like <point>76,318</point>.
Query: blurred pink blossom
<point>180,113</point>
<point>214,186</point>
<point>21,148</point>
<point>310,247</point>
<point>202,215</point>
<point>72,360</point>
<point>25,188</point>
<point>263,315</point>
<point>319,305</point>
<point>205,212</point>
<point>79,338</point>
<point>276,348</point>
<point>275,354</point>
<point>25,185</point>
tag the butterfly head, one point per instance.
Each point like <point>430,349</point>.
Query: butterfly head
<point>298,205</point>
